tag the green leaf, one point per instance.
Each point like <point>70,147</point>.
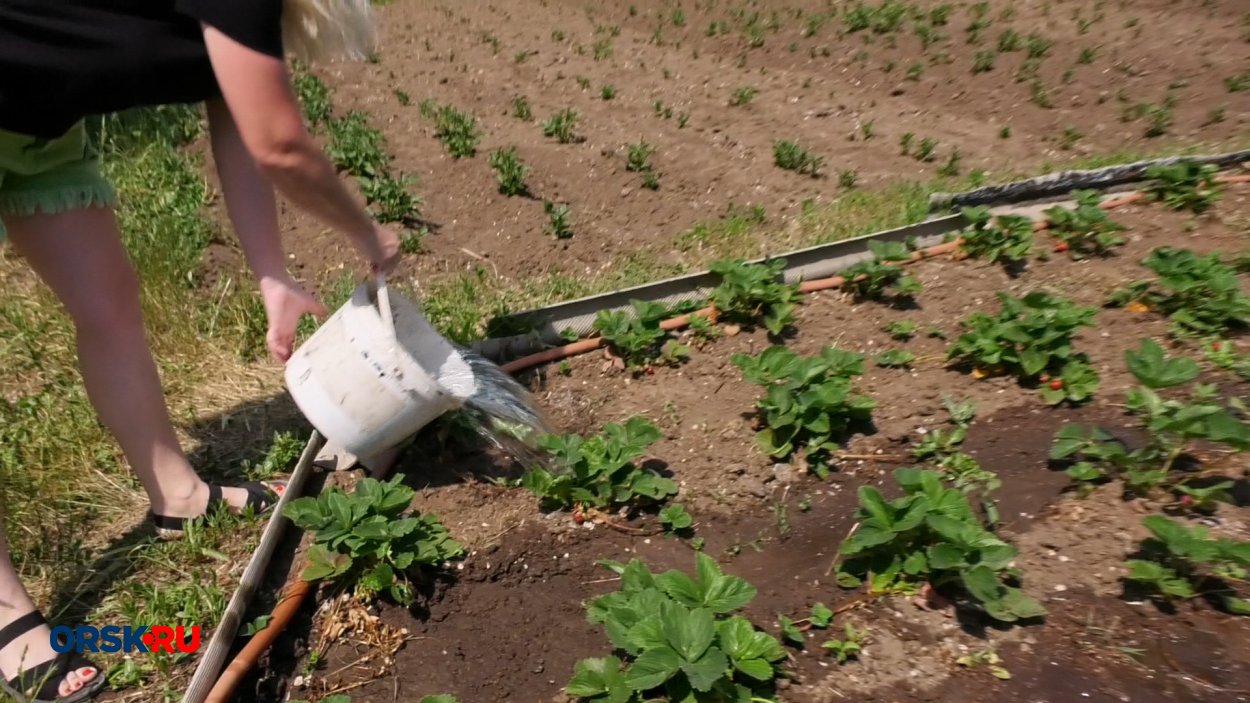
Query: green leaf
<point>599,677</point>
<point>676,517</point>
<point>1149,365</point>
<point>680,588</point>
<point>722,593</point>
<point>706,670</point>
<point>648,633</point>
<point>424,699</point>
<point>757,669</point>
<point>875,506</point>
<point>653,668</point>
<point>791,631</point>
<point>821,615</point>
<point>690,633</point>
<point>324,564</point>
<point>1236,606</point>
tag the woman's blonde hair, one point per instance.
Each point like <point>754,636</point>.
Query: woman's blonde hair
<point>316,31</point>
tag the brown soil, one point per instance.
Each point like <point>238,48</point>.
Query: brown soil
<point>509,624</point>
<point>822,90</point>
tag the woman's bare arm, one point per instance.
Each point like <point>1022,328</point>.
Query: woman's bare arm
<point>257,91</point>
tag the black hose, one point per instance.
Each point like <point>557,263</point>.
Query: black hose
<point>1063,183</point>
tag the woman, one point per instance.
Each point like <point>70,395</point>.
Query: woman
<point>65,60</point>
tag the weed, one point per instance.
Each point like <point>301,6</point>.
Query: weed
<point>1183,563</point>
<point>314,98</point>
<point>1085,230</point>
<point>1215,116</point>
<point>639,157</point>
<point>1201,294</point>
<point>750,292</point>
<point>950,169</point>
<point>1088,54</point>
<point>602,49</point>
<point>558,215</point>
<point>679,639</point>
<point>809,403</point>
<point>790,156</point>
<point>364,540</point>
<point>932,535</point>
<point>904,143</point>
<point>1010,40</point>
<point>867,130</point>
<point>1173,426</point>
<point>1031,339</point>
<point>523,56</point>
<point>1238,83</point>
<point>1040,95</point>
<point>281,456</point>
<point>983,61</point>
<point>457,130</point>
<point>927,147</point>
<point>562,125</point>
<point>742,96</point>
<point>521,108</point>
<point>848,179</point>
<point>1038,46</point>
<point>679,17</point>
<point>915,71</point>
<point>600,471</point>
<point>509,171</point>
<point>402,97</point>
<point>608,92</point>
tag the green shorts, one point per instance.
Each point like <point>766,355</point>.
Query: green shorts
<point>50,176</point>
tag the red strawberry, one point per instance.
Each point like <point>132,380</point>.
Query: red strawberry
<point>1056,384</point>
<point>1187,501</point>
<point>1215,346</point>
<point>578,516</point>
<point>1061,246</point>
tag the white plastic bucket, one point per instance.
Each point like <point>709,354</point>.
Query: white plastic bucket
<point>367,386</point>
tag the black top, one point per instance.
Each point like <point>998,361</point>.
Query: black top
<point>62,60</point>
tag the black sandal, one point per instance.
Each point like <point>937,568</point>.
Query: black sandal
<point>261,496</point>
<point>46,679</point>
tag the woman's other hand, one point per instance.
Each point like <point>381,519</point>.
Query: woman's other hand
<point>285,303</point>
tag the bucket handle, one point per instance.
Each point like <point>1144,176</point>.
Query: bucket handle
<point>384,304</point>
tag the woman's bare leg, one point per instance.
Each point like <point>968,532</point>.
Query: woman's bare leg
<point>79,255</point>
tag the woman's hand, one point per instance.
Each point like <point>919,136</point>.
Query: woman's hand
<point>385,245</point>
<point>285,303</point>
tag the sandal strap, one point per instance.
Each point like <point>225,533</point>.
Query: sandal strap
<point>21,626</point>
<point>260,495</point>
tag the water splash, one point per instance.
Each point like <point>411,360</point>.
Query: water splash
<point>504,411</point>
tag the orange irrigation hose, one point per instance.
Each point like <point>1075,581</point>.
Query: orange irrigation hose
<point>293,596</point>
<point>298,589</point>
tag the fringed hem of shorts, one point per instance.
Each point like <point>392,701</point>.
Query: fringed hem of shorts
<point>53,201</point>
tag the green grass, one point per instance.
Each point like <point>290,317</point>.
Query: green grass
<point>89,564</point>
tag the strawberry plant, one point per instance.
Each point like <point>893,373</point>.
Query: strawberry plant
<point>1006,238</point>
<point>676,518</point>
<point>1223,354</point>
<point>1173,426</point>
<point>600,471</point>
<point>314,99</point>
<point>521,108</point>
<point>1201,294</point>
<point>849,647</point>
<point>357,147</point>
<point>509,171</point>
<point>809,403</point>
<point>749,292</point>
<point>636,338</point>
<point>941,448</point>
<point>1085,230</point>
<point>931,535</point>
<point>902,330</point>
<point>680,640</point>
<point>1183,563</point>
<point>1031,338</point>
<point>789,155</point>
<point>895,358</point>
<point>364,540</point>
<point>1186,185</point>
<point>877,279</point>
